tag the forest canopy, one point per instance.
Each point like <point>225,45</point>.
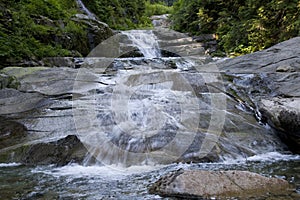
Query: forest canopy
<point>33,29</point>
<point>242,26</point>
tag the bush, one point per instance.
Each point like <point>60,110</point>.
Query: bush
<point>157,9</point>
<point>241,26</point>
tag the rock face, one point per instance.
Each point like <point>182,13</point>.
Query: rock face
<point>11,132</point>
<point>172,42</point>
<point>178,43</point>
<point>219,184</point>
<point>161,21</point>
<point>283,114</point>
<point>7,81</point>
<point>61,152</point>
<point>284,55</point>
<point>269,80</point>
<point>96,31</point>
<point>172,113</point>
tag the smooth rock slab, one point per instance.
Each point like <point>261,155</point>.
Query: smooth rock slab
<point>219,184</point>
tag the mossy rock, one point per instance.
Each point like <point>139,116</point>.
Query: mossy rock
<point>7,81</point>
<point>19,72</point>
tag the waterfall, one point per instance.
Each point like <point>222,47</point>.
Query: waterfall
<point>85,10</point>
<point>145,41</point>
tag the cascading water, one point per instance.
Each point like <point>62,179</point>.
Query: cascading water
<point>145,41</point>
<point>85,10</point>
<point>145,119</point>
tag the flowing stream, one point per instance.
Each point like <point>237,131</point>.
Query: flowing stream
<point>85,10</point>
<point>145,41</point>
<point>98,181</point>
<point>150,108</point>
<point>103,182</point>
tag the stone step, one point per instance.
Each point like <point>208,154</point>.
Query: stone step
<point>168,34</point>
<point>176,42</point>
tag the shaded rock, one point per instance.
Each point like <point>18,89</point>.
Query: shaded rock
<point>11,132</point>
<point>61,152</point>
<point>285,68</point>
<point>59,62</point>
<point>205,37</point>
<point>96,31</point>
<point>7,81</point>
<point>219,184</point>
<point>284,116</point>
<point>161,20</point>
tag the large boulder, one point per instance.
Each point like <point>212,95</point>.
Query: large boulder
<point>58,152</point>
<point>199,184</point>
<point>283,114</point>
<point>11,132</point>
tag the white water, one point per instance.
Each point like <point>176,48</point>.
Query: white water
<point>106,171</point>
<point>113,172</point>
<point>145,41</point>
<point>266,157</point>
<point>85,10</point>
<point>9,164</point>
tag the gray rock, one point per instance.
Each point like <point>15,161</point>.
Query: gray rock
<point>268,81</point>
<point>14,101</point>
<point>7,81</point>
<point>161,20</point>
<point>59,62</point>
<point>285,54</point>
<point>284,116</point>
<point>183,45</point>
<point>61,152</point>
<point>219,185</point>
<point>11,132</point>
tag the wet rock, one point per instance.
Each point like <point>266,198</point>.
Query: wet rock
<point>220,185</point>
<point>11,132</point>
<point>284,116</point>
<point>97,30</point>
<point>268,81</point>
<point>61,152</point>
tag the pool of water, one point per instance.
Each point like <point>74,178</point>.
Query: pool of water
<point>111,182</point>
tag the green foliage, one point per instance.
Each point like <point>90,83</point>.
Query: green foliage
<point>119,14</point>
<point>242,26</point>
<point>158,8</point>
<point>29,29</point>
<point>124,14</point>
<point>33,29</point>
